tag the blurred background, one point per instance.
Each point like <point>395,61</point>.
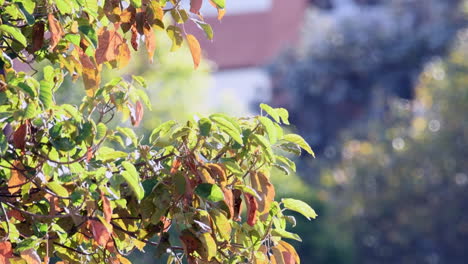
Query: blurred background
<point>379,88</point>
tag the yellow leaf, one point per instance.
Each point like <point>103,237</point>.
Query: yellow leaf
<point>31,256</point>
<point>261,183</point>
<point>221,13</point>
<point>123,260</point>
<point>195,49</point>
<point>284,246</point>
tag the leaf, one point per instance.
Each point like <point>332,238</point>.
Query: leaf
<point>195,6</point>
<point>222,224</point>
<point>228,125</point>
<point>45,94</point>
<point>287,162</point>
<point>150,42</point>
<point>208,249</point>
<point>56,31</point>
<point>57,188</point>
<point>37,36</point>
<point>100,232</point>
<point>286,234</point>
<point>195,49</point>
<point>108,154</point>
<point>284,246</point>
<point>300,207</point>
<point>15,33</point>
<point>31,256</point>
<point>6,252</point>
<point>137,115</point>
<point>19,136</point>
<point>283,114</point>
<point>296,139</point>
<point>252,214</point>
<point>175,34</point>
<point>205,126</point>
<point>129,133</point>
<point>261,183</point>
<point>277,257</point>
<point>109,42</point>
<point>101,131</point>
<point>132,177</point>
<point>29,18</point>
<point>270,128</point>
<point>266,146</point>
<point>270,111</point>
<point>64,7</point>
<point>206,28</point>
<point>162,129</point>
<point>220,4</point>
<point>210,192</point>
<point>106,208</point>
<point>16,178</point>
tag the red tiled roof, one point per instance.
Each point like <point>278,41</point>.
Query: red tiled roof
<point>243,40</point>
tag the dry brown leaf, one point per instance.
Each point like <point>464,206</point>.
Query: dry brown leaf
<point>134,39</point>
<point>229,201</point>
<point>277,256</point>
<point>19,137</point>
<point>137,114</point>
<point>100,232</point>
<point>37,36</point>
<point>15,214</point>
<point>56,31</point>
<point>237,204</point>
<point>17,179</point>
<point>109,42</point>
<point>195,49</point>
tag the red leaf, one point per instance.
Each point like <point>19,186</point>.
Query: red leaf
<point>56,31</point>
<point>237,204</point>
<point>100,232</point>
<point>89,154</point>
<point>15,214</point>
<point>252,207</point>
<point>195,6</point>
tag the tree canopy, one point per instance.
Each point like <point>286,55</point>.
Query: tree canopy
<point>75,189</point>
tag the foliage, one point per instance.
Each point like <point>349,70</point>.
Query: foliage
<point>76,190</point>
<point>354,58</point>
<point>402,183</point>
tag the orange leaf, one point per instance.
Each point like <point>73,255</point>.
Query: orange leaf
<point>31,256</point>
<point>106,208</point>
<point>17,178</point>
<point>261,183</point>
<point>229,201</point>
<point>221,13</point>
<point>252,207</point>
<point>89,154</point>
<point>15,214</point>
<point>108,45</point>
<point>286,247</point>
<point>175,165</point>
<point>137,114</point>
<point>195,49</point>
<point>123,260</point>
<point>195,6</point>
<point>123,57</point>
<point>100,232</point>
<point>150,42</point>
<point>56,31</point>
<point>6,252</point>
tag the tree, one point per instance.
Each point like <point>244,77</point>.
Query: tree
<point>74,189</point>
<point>402,184</point>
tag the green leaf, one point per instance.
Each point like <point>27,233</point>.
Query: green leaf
<point>30,111</point>
<point>270,128</point>
<point>132,177</point>
<point>3,144</point>
<point>211,192</point>
<point>296,139</point>
<point>266,146</point>
<point>64,7</point>
<point>162,129</point>
<point>229,126</point>
<point>140,80</point>
<point>232,166</point>
<point>57,188</point>
<point>300,207</point>
<point>27,89</point>
<point>205,126</point>
<point>29,18</point>
<point>136,3</point>
<point>101,130</point>
<point>63,144</point>
<point>283,114</point>
<point>286,234</point>
<point>129,133</point>
<point>45,94</point>
<point>14,33</point>
<point>175,34</point>
<point>206,28</point>
<point>287,162</point>
<point>272,112</point>
<point>72,111</point>
<point>73,38</point>
<point>106,153</point>
<point>221,4</point>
